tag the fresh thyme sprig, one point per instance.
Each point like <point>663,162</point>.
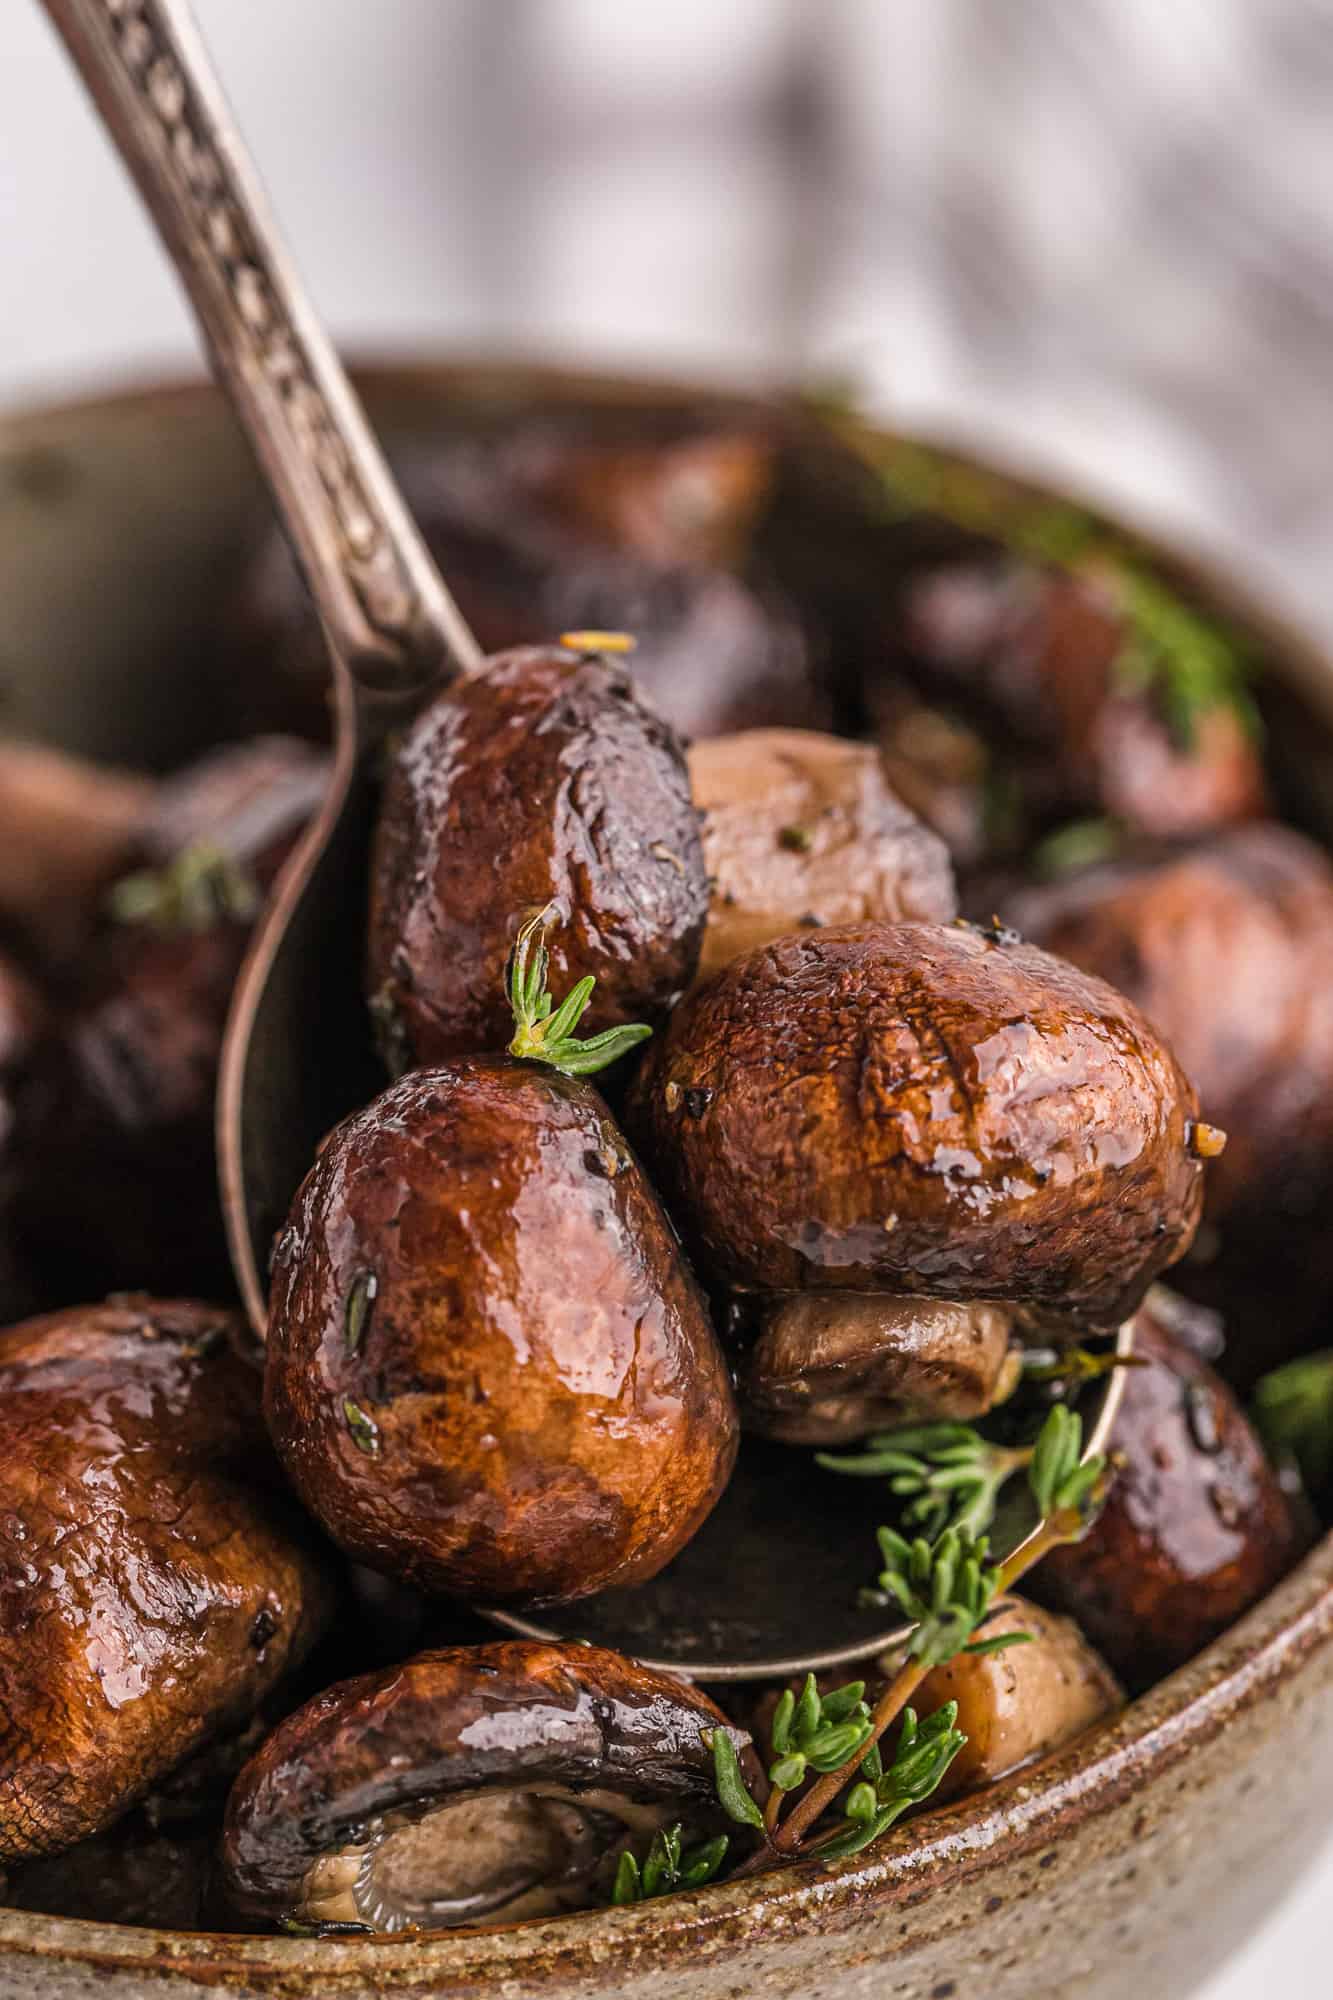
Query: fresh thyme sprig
<point>544,1032</point>
<point>666,1867</point>
<point>923,1754</point>
<point>947,1588</point>
<point>947,1475</point>
<point>200,887</point>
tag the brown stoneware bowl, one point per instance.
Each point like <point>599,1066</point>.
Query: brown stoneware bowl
<point>1129,1865</point>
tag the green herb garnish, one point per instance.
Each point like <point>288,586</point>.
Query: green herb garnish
<point>946,1475</point>
<point>666,1868</point>
<point>201,887</point>
<point>544,1032</point>
<point>1293,1413</point>
<point>1079,844</point>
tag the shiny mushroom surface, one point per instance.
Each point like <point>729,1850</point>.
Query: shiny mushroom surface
<point>829,1367</point>
<point>471,1785</point>
<point>800,829</point>
<point>944,1112</point>
<point>544,782</point>
<point>157,1584</point>
<point>489,1369</point>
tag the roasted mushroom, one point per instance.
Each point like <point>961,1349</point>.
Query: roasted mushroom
<point>489,1370</point>
<point>828,1367</point>
<point>479,1784</point>
<point>70,828</point>
<point>1227,946</point>
<point>1020,1702</point>
<point>1196,1527</point>
<point>155,1583</point>
<point>941,1112</point>
<point>540,538</point>
<point>543,782</point>
<point>1060,670</point>
<point>800,830</point>
<point>115,1118</point>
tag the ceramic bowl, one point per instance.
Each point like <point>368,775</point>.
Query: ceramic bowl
<point>1129,1865</point>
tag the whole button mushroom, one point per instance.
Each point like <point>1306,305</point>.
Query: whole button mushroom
<point>115,1118</point>
<point>1227,946</point>
<point>1019,1702</point>
<point>1196,1527</point>
<point>489,1370</point>
<point>829,1367</point>
<point>543,782</point>
<point>478,1784</point>
<point>939,1112</point>
<point>801,830</point>
<point>154,1583</point>
<point>70,828</point>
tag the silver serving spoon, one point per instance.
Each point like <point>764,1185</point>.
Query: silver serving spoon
<point>298,1053</point>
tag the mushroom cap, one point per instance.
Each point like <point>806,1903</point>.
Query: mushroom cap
<point>800,829</point>
<point>1195,1529</point>
<point>1023,1702</point>
<point>534,1405</point>
<point>828,1367</point>
<point>926,1110</point>
<point>155,1590</point>
<point>543,780</point>
<point>452,1721</point>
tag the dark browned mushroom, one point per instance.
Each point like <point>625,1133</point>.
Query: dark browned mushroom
<point>115,1119</point>
<point>828,1367</point>
<point>70,828</point>
<point>801,830</point>
<point>1196,1527</point>
<point>542,782</point>
<point>1227,946</point>
<point>1020,1703</point>
<point>489,1370</point>
<point>156,1586</point>
<point>1047,662</point>
<point>938,1112</point>
<point>479,1784</point>
<point>542,536</point>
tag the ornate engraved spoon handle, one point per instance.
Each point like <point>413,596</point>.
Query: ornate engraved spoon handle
<point>382,601</point>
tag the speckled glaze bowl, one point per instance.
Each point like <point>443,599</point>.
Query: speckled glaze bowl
<point>1130,1865</point>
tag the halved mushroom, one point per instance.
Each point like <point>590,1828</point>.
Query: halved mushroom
<point>1227,946</point>
<point>1023,1702</point>
<point>828,1367</point>
<point>478,1784</point>
<point>489,1369</point>
<point>1196,1527</point>
<point>157,1585</point>
<point>115,1118</point>
<point>542,782</point>
<point>800,830</point>
<point>945,1113</point>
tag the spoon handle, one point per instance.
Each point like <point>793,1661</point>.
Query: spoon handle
<point>383,603</point>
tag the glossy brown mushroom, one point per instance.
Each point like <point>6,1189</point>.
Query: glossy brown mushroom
<point>156,1585</point>
<point>936,1111</point>
<point>489,1370</point>
<point>115,1120</point>
<point>800,830</point>
<point>478,1784</point>
<point>1020,1703</point>
<point>829,1367</point>
<point>1045,659</point>
<point>544,781</point>
<point>1196,1527</point>
<point>1227,946</point>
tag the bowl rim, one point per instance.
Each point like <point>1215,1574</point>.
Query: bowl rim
<point>1259,1656</point>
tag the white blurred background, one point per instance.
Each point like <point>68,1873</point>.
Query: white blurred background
<point>1098,235</point>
